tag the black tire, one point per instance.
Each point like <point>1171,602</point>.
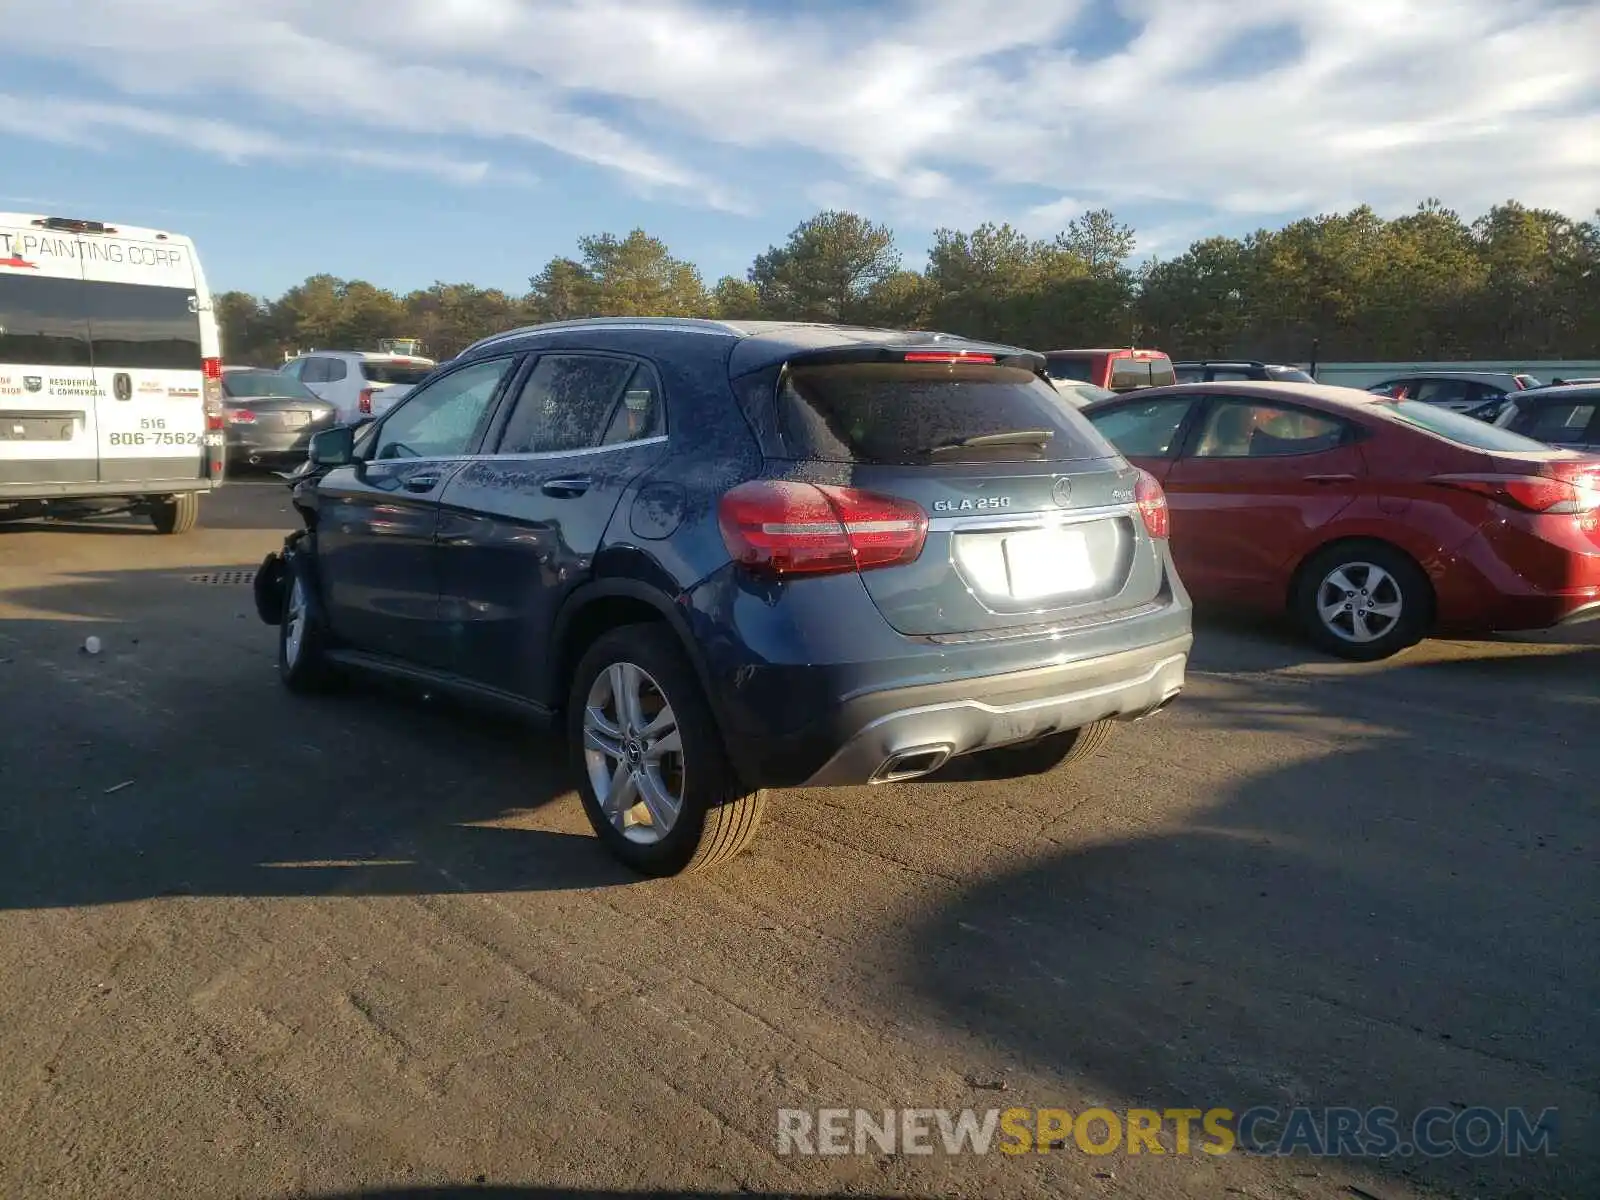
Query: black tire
<point>718,816</point>
<point>1043,755</point>
<point>175,514</point>
<point>1397,581</point>
<point>303,666</point>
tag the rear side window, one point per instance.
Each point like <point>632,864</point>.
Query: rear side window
<point>42,322</point>
<point>155,328</point>
<point>382,372</point>
<point>1190,374</point>
<point>580,402</point>
<point>334,369</point>
<point>1566,423</point>
<point>1148,430</point>
<point>1140,372</point>
<point>904,413</point>
<point>1069,369</point>
<point>1444,391</point>
<point>1245,429</point>
<point>1460,428</point>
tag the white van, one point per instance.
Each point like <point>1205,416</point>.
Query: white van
<point>110,373</point>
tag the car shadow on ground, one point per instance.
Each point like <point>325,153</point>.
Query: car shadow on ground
<point>1379,924</point>
<point>173,763</point>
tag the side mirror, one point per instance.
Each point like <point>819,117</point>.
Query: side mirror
<point>333,447</point>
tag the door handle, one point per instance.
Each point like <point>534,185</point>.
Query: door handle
<point>566,489</point>
<point>420,483</point>
<point>1330,479</point>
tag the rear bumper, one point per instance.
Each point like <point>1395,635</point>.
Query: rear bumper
<point>910,731</point>
<point>283,443</point>
<point>119,490</point>
<point>1520,578</point>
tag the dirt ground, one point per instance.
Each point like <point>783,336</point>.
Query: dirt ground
<point>254,945</point>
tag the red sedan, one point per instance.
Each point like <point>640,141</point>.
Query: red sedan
<point>1374,521</point>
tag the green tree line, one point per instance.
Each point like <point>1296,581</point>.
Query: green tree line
<point>1517,283</point>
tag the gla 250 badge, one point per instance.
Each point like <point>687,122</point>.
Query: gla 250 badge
<point>1060,492</point>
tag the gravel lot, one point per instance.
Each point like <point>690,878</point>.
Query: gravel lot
<point>259,946</point>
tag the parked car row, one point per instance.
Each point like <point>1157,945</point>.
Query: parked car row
<point>734,556</point>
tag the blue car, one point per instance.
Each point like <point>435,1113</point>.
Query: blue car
<point>731,557</point>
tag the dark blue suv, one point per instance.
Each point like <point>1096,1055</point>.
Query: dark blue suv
<point>734,556</point>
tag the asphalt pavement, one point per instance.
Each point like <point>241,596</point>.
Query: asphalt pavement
<point>257,945</point>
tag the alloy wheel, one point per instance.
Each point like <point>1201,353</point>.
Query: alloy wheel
<point>294,622</point>
<point>1360,602</point>
<point>633,752</point>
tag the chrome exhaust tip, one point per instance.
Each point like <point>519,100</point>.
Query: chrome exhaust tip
<point>1159,708</point>
<point>910,764</point>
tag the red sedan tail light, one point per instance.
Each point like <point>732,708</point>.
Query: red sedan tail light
<point>1574,490</point>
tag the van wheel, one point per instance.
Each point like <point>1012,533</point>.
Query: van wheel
<point>302,642</point>
<point>1363,601</point>
<point>655,780</point>
<point>1044,754</point>
<point>175,514</point>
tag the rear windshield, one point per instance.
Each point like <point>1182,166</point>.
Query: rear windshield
<point>1069,368</point>
<point>1461,428</point>
<point>256,385</point>
<point>1129,373</point>
<point>900,413</point>
<point>52,322</point>
<point>384,372</point>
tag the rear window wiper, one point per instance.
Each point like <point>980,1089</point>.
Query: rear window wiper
<point>1011,437</point>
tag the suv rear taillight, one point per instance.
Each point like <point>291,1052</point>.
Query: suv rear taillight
<point>1571,491</point>
<point>1152,502</point>
<point>365,402</point>
<point>776,527</point>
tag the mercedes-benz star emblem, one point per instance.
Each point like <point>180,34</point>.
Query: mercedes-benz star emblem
<point>1061,491</point>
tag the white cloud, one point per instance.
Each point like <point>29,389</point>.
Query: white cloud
<point>1043,219</point>
<point>937,110</point>
<point>95,126</point>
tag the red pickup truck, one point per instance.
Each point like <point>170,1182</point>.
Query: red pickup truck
<point>1115,370</point>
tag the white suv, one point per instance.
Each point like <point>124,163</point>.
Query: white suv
<point>362,384</point>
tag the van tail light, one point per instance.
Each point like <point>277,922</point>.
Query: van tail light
<point>1152,502</point>
<point>776,527</point>
<point>211,383</point>
<point>1570,490</point>
<point>365,402</point>
<point>216,456</point>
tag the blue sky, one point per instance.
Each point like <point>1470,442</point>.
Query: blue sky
<point>404,141</point>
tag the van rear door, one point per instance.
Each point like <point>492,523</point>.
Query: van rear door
<point>146,303</point>
<point>47,409</point>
